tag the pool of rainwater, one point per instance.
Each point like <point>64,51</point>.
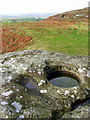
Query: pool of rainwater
<point>63,79</point>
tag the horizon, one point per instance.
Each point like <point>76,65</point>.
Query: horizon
<point>40,7</point>
<point>26,14</point>
<point>34,14</point>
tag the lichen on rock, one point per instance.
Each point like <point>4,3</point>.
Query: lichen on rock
<point>24,83</point>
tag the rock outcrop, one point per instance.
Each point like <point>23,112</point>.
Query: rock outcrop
<point>25,91</point>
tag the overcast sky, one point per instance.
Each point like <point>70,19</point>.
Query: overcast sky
<point>14,7</point>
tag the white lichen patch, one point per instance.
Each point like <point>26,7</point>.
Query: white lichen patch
<point>7,93</point>
<point>17,106</point>
<point>41,82</point>
<point>1,64</point>
<point>12,59</point>
<point>72,96</point>
<point>88,74</point>
<point>80,70</point>
<point>4,103</point>
<point>84,69</point>
<point>43,91</point>
<point>25,68</point>
<point>75,91</point>
<point>75,87</point>
<point>6,116</point>
<point>39,72</point>
<point>25,89</point>
<point>78,97</point>
<point>21,116</point>
<point>30,71</point>
<point>13,86</point>
<point>58,91</point>
<point>66,92</point>
<point>17,90</point>
<point>1,69</point>
<point>9,78</point>
<point>35,55</point>
<point>21,96</point>
<point>39,65</point>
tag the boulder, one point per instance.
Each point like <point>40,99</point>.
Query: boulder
<point>80,112</point>
<point>26,92</point>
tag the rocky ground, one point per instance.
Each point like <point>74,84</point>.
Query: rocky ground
<point>27,93</point>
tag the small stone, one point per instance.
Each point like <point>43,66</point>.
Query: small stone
<point>43,91</point>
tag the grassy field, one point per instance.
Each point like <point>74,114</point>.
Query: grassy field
<point>70,37</point>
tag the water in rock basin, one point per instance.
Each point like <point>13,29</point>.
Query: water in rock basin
<point>65,81</point>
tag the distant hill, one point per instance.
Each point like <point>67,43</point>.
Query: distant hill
<point>25,17</point>
<point>44,15</point>
<point>81,14</point>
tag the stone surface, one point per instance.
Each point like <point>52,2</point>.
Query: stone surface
<point>80,112</point>
<point>25,91</point>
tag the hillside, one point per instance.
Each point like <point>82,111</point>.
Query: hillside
<point>61,33</point>
<point>81,14</point>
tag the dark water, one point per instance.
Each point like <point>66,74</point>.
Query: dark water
<point>64,82</point>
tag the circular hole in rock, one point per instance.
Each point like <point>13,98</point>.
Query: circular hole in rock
<point>63,79</point>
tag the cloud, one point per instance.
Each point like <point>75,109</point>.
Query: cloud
<point>40,6</point>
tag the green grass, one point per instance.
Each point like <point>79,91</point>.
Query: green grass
<point>55,37</point>
<point>68,41</point>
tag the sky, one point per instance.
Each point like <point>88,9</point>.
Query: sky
<point>15,7</point>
